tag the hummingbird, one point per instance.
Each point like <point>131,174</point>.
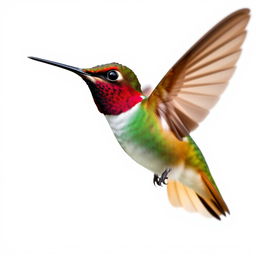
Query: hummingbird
<point>154,129</point>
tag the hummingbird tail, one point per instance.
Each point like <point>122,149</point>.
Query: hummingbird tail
<point>209,203</point>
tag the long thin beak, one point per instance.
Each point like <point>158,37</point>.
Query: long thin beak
<point>78,71</point>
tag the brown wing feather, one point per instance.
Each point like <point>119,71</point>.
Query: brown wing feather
<point>193,86</point>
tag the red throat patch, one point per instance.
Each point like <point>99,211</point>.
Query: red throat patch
<point>113,99</point>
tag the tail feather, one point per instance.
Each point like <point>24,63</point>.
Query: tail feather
<point>210,207</point>
<point>216,196</point>
<point>172,190</point>
<point>182,196</point>
<point>185,199</point>
<point>210,203</point>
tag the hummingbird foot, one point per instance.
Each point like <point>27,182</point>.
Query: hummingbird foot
<point>162,179</point>
<point>156,180</point>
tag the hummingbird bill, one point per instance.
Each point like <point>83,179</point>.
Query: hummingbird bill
<point>155,129</point>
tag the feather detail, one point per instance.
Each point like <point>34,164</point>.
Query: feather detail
<point>208,201</point>
<point>189,201</point>
<point>193,86</point>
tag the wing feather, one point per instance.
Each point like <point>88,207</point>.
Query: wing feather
<point>193,86</point>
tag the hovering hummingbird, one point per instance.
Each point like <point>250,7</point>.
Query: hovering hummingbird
<point>155,129</point>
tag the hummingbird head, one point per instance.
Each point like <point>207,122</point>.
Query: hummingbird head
<point>114,87</point>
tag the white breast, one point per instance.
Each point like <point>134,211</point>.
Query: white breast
<point>140,154</point>
<point>119,122</point>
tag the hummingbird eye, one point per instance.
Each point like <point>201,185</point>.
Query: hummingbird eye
<point>112,75</point>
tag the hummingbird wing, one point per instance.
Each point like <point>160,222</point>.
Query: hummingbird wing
<point>193,85</point>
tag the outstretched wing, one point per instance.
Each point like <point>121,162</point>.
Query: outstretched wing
<point>191,88</point>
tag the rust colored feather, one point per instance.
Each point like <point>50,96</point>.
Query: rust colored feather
<point>209,204</point>
<point>194,84</point>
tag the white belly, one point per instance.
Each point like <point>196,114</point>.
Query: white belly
<point>140,154</point>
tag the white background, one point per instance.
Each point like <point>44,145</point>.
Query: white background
<point>67,188</point>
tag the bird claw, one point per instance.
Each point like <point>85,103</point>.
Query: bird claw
<point>156,180</point>
<point>162,179</point>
